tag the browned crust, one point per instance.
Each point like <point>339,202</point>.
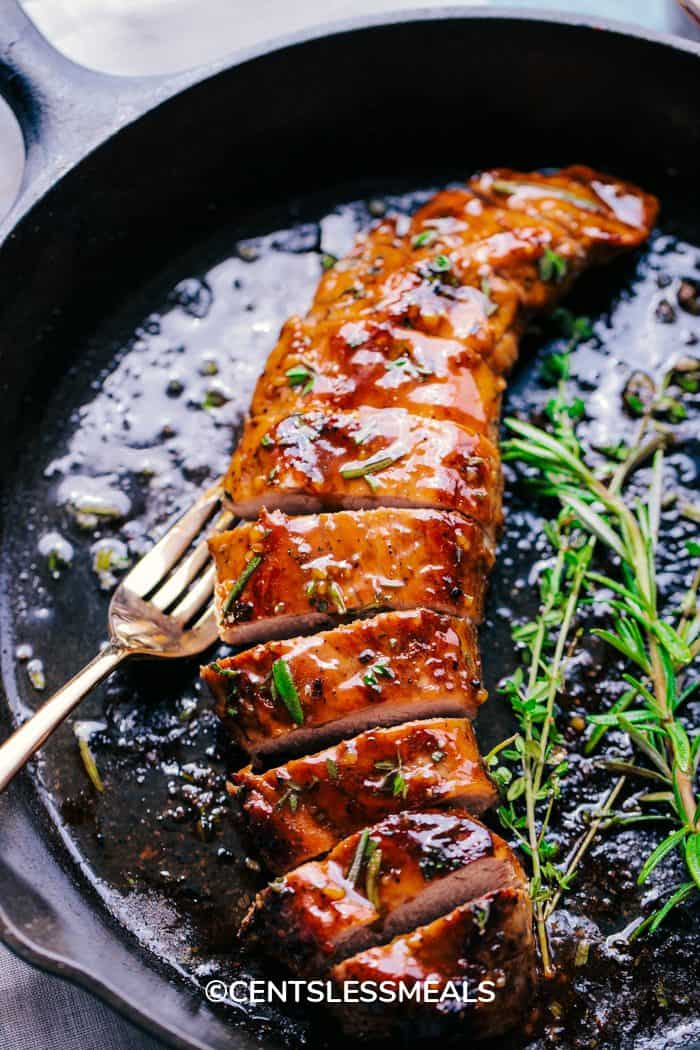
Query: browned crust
<point>331,567</point>
<point>300,810</point>
<point>426,660</point>
<point>317,911</point>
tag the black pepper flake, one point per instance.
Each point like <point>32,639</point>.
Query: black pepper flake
<point>242,611</point>
<point>664,312</point>
<point>689,296</point>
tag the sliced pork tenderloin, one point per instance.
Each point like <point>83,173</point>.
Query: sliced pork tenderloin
<point>382,881</point>
<point>300,810</point>
<point>283,575</point>
<point>477,962</point>
<point>286,697</point>
<point>314,461</point>
<point>380,365</point>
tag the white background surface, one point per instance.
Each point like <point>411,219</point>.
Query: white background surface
<point>149,36</point>
<point>142,36</point>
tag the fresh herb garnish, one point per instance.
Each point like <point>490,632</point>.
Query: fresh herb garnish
<point>335,593</point>
<point>231,690</point>
<point>440,264</point>
<point>394,781</point>
<point>374,464</point>
<point>372,879</point>
<point>481,911</point>
<point>530,766</point>
<point>239,585</point>
<point>291,795</point>
<point>552,266</point>
<point>422,240</point>
<point>287,690</point>
<point>357,860</point>
<point>226,672</point>
<point>214,398</point>
<point>332,768</point>
<point>554,367</point>
<point>372,676</point>
<point>300,375</point>
<point>574,328</point>
<point>635,404</point>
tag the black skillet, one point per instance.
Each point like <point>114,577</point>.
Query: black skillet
<point>125,175</point>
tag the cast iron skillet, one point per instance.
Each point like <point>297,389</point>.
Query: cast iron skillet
<point>123,174</point>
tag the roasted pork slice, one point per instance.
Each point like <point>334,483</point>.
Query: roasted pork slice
<point>281,575</point>
<point>351,364</point>
<point>471,973</point>
<point>482,240</point>
<point>484,257</point>
<point>300,810</point>
<point>315,461</point>
<point>289,696</point>
<point>375,252</point>
<point>382,881</point>
<point>604,214</point>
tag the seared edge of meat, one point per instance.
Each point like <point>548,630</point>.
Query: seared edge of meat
<point>487,939</point>
<point>477,260</point>
<point>283,575</point>
<point>385,880</point>
<point>314,461</point>
<point>376,672</point>
<point>300,810</point>
<point>603,213</point>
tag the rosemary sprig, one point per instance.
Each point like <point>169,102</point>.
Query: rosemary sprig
<point>594,513</point>
<point>240,584</point>
<point>285,687</point>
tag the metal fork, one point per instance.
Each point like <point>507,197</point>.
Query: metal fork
<point>162,608</point>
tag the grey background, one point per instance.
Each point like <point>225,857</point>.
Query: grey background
<point>37,1011</point>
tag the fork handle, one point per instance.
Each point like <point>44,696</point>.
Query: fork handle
<point>19,748</point>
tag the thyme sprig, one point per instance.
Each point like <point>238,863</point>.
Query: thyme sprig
<point>596,517</point>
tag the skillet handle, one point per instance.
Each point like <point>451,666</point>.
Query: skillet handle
<point>64,109</point>
<point>19,748</point>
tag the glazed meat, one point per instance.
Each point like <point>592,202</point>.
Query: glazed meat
<point>394,667</point>
<point>371,457</point>
<point>376,419</point>
<point>603,215</point>
<point>354,364</point>
<point>382,881</point>
<point>482,256</point>
<point>485,940</point>
<point>301,810</point>
<point>282,576</point>
<point>467,271</point>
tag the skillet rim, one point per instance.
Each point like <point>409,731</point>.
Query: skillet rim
<point>35,114</point>
<point>34,190</point>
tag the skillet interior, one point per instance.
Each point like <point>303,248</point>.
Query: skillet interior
<point>261,147</point>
